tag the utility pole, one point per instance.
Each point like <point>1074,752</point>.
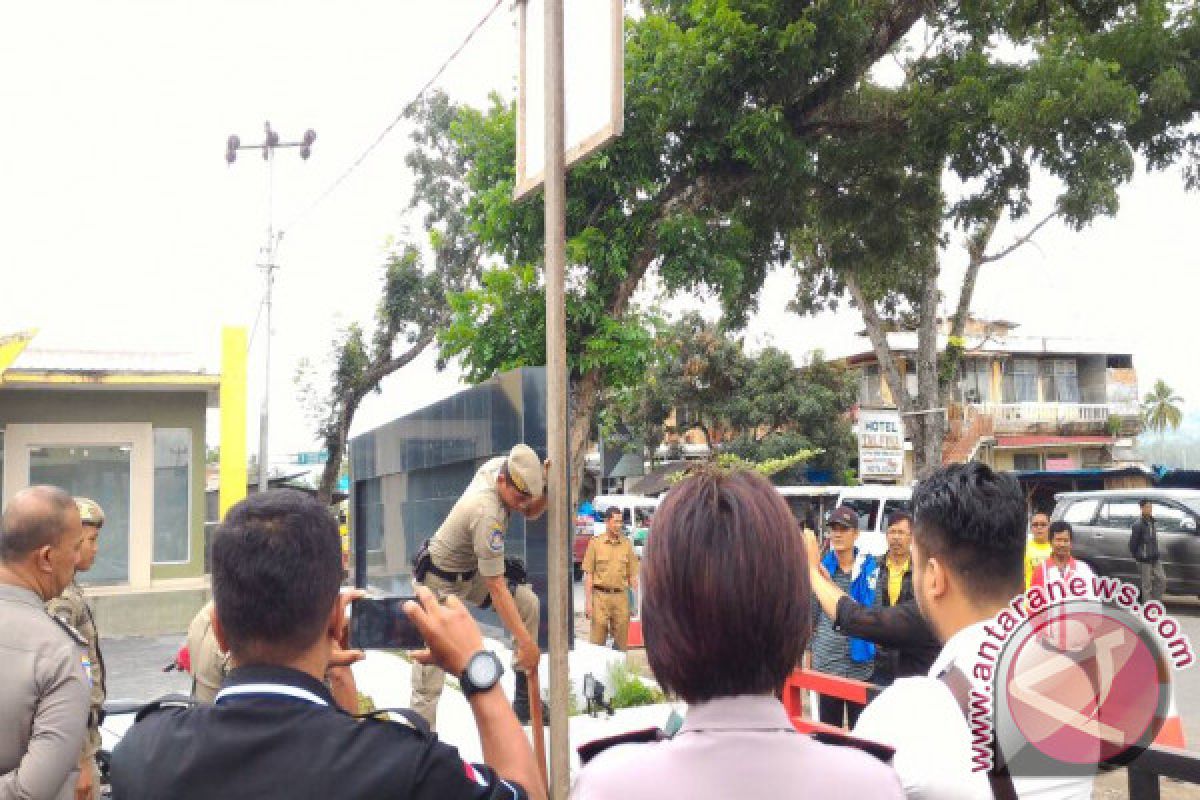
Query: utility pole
<point>270,144</point>
<point>556,400</point>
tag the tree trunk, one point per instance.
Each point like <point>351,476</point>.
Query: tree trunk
<point>928,427</point>
<point>587,394</point>
<point>877,334</point>
<point>335,446</point>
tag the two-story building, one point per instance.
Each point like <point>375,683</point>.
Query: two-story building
<point>1030,404</point>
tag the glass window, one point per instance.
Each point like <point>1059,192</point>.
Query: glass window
<point>369,512</point>
<point>1021,381</point>
<point>867,510</point>
<point>1081,512</point>
<point>172,495</point>
<point>975,380</point>
<point>893,505</point>
<point>1060,380</point>
<point>1120,514</point>
<point>1168,519</point>
<point>870,391</point>
<point>101,473</point>
<point>1027,462</point>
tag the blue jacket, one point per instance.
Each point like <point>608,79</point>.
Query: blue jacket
<point>864,580</point>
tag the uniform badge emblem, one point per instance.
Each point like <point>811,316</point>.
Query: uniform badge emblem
<point>496,539</point>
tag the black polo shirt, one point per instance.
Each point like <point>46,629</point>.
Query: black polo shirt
<point>276,733</point>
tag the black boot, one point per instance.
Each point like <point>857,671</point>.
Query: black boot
<point>521,699</point>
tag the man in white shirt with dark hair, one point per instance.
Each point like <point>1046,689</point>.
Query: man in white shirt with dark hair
<point>968,566</point>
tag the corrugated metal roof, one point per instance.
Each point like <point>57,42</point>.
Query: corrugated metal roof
<point>906,341</point>
<point>35,359</point>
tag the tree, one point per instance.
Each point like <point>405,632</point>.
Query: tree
<point>1160,409</point>
<point>722,99</point>
<point>955,145</point>
<point>414,304</point>
<point>758,406</point>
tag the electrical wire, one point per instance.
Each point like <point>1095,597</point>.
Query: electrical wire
<point>396,120</point>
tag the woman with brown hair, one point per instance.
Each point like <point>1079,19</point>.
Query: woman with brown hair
<point>726,615</point>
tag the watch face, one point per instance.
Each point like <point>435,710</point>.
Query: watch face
<point>484,670</point>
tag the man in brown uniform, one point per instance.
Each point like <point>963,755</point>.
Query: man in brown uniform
<point>610,567</point>
<point>466,559</point>
<point>209,663</point>
<point>72,608</point>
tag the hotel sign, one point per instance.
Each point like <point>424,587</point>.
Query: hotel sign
<point>880,444</point>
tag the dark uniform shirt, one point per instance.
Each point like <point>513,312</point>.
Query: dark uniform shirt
<point>276,733</point>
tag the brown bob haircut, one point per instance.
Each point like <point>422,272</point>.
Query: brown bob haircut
<point>727,603</point>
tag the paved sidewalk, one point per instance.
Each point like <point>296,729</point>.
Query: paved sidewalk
<point>134,667</point>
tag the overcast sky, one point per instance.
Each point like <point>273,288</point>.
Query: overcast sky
<point>123,226</point>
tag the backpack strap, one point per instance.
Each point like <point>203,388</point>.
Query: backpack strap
<point>998,776</point>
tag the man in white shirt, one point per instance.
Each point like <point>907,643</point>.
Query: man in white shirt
<point>968,565</point>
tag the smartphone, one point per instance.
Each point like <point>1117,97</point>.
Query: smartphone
<point>379,623</point>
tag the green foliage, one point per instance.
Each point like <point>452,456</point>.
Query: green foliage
<point>629,690</point>
<point>1160,408</point>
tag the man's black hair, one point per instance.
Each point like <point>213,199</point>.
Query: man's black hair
<point>276,570</point>
<point>1061,525</point>
<point>973,520</point>
<point>613,511</point>
<point>36,518</point>
<point>896,517</point>
<point>1145,501</point>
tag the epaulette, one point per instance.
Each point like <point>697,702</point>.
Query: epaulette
<point>594,748</point>
<point>881,751</point>
<point>75,635</point>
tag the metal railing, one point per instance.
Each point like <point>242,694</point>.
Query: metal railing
<point>1144,773</point>
<point>1024,417</point>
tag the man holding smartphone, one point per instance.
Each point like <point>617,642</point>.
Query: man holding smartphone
<point>465,559</point>
<point>281,726</point>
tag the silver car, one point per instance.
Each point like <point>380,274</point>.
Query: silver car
<point>1103,520</point>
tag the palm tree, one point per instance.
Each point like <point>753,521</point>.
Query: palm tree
<point>1160,409</point>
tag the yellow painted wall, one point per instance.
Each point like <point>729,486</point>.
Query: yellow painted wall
<point>233,417</point>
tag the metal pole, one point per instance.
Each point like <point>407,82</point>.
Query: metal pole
<point>263,480</point>
<point>269,266</point>
<point>556,401</point>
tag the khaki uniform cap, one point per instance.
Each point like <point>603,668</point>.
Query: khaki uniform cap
<point>90,512</point>
<point>525,470</point>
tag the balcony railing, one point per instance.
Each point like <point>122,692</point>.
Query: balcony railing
<point>1046,417</point>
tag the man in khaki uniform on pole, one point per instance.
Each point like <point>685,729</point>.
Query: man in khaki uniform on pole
<point>465,558</point>
<point>209,664</point>
<point>610,568</point>
<point>43,685</point>
<point>72,608</point>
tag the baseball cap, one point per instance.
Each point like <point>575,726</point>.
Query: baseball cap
<point>525,470</point>
<point>90,512</point>
<point>844,515</point>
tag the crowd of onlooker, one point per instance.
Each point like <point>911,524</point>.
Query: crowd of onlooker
<point>736,595</point>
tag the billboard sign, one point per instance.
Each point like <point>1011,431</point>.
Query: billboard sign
<point>880,444</point>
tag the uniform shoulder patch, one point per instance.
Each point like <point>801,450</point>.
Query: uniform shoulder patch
<point>594,748</point>
<point>496,538</point>
<point>75,635</point>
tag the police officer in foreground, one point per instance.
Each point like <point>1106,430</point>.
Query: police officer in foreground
<point>610,568</point>
<point>72,608</point>
<point>282,724</point>
<point>465,559</point>
<point>43,685</point>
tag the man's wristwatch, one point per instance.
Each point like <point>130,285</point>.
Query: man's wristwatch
<point>482,673</point>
